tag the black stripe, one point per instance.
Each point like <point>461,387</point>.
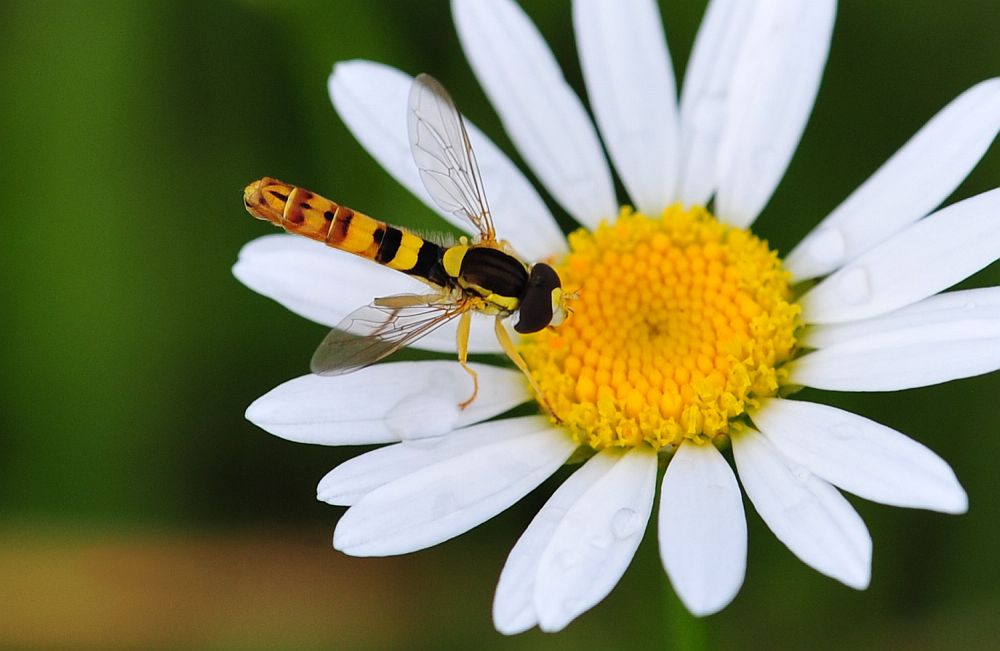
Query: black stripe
<point>494,271</point>
<point>389,245</point>
<point>429,264</point>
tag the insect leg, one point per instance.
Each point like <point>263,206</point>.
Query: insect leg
<point>511,351</point>
<point>464,325</point>
<point>407,300</point>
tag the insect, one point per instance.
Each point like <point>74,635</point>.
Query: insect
<point>482,275</point>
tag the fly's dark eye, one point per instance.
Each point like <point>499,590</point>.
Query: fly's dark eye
<point>536,307</point>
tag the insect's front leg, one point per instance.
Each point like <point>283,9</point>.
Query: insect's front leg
<point>508,347</point>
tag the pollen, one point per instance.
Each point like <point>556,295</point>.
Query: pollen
<point>679,326</point>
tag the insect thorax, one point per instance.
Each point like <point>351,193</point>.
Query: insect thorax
<point>496,276</point>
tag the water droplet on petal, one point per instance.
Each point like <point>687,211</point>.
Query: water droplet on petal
<point>969,305</point>
<point>845,432</point>
<point>422,416</point>
<point>801,473</point>
<point>602,541</point>
<point>570,558</point>
<point>625,523</point>
<point>854,286</point>
<point>430,412</point>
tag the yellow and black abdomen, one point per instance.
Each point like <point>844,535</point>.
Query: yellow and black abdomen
<point>302,212</point>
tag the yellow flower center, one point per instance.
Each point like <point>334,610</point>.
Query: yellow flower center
<point>681,323</point>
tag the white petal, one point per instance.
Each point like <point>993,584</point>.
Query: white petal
<point>355,478</point>
<point>949,307</point>
<point>596,539</point>
<point>917,358</point>
<point>929,256</point>
<point>325,285</point>
<point>541,113</point>
<point>385,403</point>
<point>309,278</point>
<point>861,456</point>
<point>806,513</point>
<point>445,499</point>
<point>630,83</point>
<point>908,186</point>
<point>371,99</point>
<point>774,84</point>
<point>705,98</point>
<point>514,605</point>
<point>942,338</point>
<point>702,529</point>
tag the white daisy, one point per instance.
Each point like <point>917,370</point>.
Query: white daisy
<point>705,344</point>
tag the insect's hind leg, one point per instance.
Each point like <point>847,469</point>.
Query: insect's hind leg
<point>508,347</point>
<point>464,327</point>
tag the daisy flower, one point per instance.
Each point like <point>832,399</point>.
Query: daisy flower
<point>689,333</point>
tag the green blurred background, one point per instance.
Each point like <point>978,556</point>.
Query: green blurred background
<point>138,509</point>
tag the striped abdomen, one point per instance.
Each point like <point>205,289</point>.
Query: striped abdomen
<point>303,212</point>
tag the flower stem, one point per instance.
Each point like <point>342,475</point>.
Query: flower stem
<point>687,632</point>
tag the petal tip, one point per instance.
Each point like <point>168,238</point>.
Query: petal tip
<point>861,581</point>
<point>956,503</point>
<point>552,626</point>
<point>255,412</point>
<point>506,625</point>
<point>329,496</point>
<point>348,66</point>
<point>342,541</point>
<point>707,604</point>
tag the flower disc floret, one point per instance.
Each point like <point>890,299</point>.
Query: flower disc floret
<point>680,325</point>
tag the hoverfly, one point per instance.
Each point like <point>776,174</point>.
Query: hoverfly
<point>483,275</point>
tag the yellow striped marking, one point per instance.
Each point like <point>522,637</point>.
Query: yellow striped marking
<point>360,234</point>
<point>406,257</point>
<point>452,259</point>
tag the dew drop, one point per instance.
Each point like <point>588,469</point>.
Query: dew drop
<point>969,306</point>
<point>801,474</point>
<point>845,432</point>
<point>625,523</point>
<point>422,416</point>
<point>602,541</point>
<point>430,412</point>
<point>570,558</point>
<point>854,286</point>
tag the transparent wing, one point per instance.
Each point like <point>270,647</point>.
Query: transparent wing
<point>377,330</point>
<point>444,155</point>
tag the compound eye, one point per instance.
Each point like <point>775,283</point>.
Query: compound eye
<point>535,312</point>
<point>536,307</point>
